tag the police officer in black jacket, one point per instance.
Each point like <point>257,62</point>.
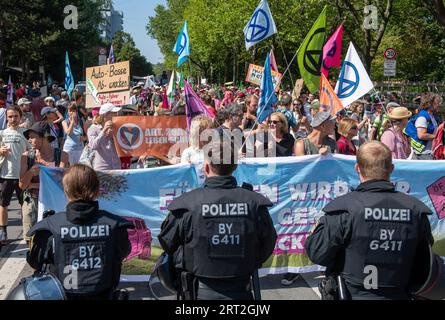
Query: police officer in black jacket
<point>374,237</point>
<point>84,246</point>
<point>218,235</point>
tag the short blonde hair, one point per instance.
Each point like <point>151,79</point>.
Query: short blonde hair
<point>283,120</point>
<point>345,126</point>
<point>374,160</point>
<point>99,119</point>
<point>80,182</point>
<point>198,125</point>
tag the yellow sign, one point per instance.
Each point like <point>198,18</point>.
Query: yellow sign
<point>111,77</point>
<point>255,75</point>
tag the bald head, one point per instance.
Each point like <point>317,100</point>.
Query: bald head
<point>374,161</point>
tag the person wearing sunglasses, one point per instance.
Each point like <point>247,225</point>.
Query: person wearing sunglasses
<point>348,129</point>
<point>279,131</point>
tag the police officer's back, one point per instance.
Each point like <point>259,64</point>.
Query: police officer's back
<point>218,235</point>
<point>374,237</point>
<point>84,246</point>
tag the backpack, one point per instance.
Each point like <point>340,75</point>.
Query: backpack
<point>438,142</point>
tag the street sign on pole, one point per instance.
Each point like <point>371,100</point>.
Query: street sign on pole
<point>390,54</point>
<point>390,68</point>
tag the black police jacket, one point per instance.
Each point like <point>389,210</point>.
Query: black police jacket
<point>84,247</point>
<point>373,228</point>
<point>219,231</point>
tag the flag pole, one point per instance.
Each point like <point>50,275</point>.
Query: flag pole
<point>268,100</point>
<point>285,58</point>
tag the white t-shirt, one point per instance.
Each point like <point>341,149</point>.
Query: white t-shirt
<point>422,123</point>
<point>16,141</point>
<point>192,155</point>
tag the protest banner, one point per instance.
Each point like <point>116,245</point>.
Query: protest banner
<point>298,187</point>
<point>121,98</point>
<point>111,77</point>
<point>255,75</point>
<point>140,135</point>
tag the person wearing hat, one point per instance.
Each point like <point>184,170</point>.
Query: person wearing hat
<point>51,116</point>
<point>381,122</point>
<point>318,141</point>
<point>100,137</point>
<point>394,138</point>
<point>42,154</point>
<point>27,117</point>
<point>315,108</point>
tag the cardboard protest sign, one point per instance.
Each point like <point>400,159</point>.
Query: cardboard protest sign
<point>255,75</point>
<point>111,77</point>
<point>150,135</point>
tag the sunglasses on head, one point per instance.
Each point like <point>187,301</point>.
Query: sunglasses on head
<point>274,122</point>
<point>354,128</point>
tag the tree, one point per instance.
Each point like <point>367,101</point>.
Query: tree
<point>365,39</point>
<point>125,50</point>
<point>437,8</point>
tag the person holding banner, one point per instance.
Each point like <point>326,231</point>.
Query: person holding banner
<point>218,235</point>
<point>375,241</point>
<point>347,129</point>
<point>100,137</point>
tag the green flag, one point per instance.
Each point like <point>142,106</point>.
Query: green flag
<point>310,53</point>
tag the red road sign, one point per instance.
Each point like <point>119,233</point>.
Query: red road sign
<point>390,53</point>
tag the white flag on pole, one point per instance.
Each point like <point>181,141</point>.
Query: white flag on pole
<point>260,26</point>
<point>353,82</point>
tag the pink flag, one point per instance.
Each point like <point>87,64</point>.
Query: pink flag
<point>194,105</point>
<point>273,62</point>
<point>165,100</point>
<point>332,51</point>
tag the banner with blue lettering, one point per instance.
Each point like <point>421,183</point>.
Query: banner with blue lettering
<point>299,188</point>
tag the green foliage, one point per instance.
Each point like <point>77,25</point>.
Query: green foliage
<point>218,50</point>
<point>125,50</point>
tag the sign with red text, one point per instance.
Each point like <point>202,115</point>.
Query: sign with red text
<point>116,98</point>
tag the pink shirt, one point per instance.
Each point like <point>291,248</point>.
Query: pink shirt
<point>397,142</point>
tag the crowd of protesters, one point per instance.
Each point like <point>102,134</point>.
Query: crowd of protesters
<point>58,130</point>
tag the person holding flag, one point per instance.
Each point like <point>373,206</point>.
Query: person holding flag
<point>111,58</point>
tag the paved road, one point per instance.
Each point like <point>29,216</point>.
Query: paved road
<point>13,267</point>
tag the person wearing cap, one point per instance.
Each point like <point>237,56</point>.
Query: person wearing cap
<point>27,117</point>
<point>315,107</point>
<point>394,138</point>
<point>100,137</point>
<point>422,128</point>
<point>318,141</point>
<point>42,154</point>
<point>12,146</point>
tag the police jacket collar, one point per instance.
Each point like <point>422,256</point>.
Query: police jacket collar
<point>376,186</point>
<point>79,212</point>
<point>222,182</point>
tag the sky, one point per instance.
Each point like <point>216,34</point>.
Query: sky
<point>136,13</point>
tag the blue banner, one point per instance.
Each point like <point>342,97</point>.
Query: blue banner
<point>299,188</point>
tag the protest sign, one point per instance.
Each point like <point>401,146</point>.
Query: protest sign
<point>117,98</point>
<point>111,77</point>
<point>140,135</point>
<point>298,187</point>
<point>255,75</point>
